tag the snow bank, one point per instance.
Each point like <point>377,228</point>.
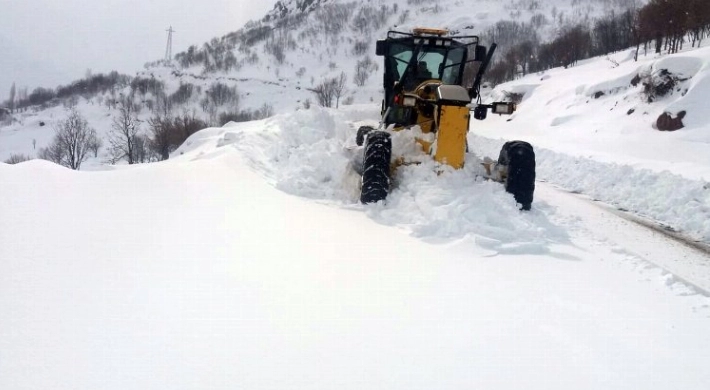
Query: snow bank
<point>593,133</point>
<point>309,154</point>
<point>679,202</point>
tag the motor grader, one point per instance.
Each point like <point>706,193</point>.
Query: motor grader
<point>430,80</point>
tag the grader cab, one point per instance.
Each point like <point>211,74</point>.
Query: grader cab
<point>430,80</point>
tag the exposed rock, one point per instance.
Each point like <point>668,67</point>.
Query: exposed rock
<point>636,80</point>
<point>666,122</point>
<point>659,84</point>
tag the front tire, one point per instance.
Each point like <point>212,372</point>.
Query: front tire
<point>376,167</point>
<point>362,133</point>
<point>519,157</point>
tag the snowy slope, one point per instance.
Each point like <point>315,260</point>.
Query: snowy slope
<point>205,271</point>
<point>608,147</point>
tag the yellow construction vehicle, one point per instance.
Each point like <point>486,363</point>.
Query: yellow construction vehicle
<point>431,79</point>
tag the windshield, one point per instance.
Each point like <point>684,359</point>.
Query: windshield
<point>402,54</point>
<point>452,67</point>
<point>442,63</point>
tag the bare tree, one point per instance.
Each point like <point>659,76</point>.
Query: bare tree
<point>141,152</point>
<point>161,142</point>
<point>222,94</point>
<point>95,145</point>
<point>13,96</point>
<point>339,88</point>
<point>71,142</point>
<point>330,89</point>
<point>53,152</point>
<point>122,137</point>
<point>363,69</point>
<point>166,134</point>
<point>325,92</point>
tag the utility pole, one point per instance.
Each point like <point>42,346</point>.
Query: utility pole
<point>169,46</point>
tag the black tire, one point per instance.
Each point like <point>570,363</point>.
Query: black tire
<point>519,156</point>
<point>376,167</point>
<point>362,133</point>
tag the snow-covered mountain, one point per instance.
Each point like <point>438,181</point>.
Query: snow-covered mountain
<point>277,60</point>
<point>301,43</point>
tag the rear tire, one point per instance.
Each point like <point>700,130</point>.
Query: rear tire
<point>519,156</point>
<point>376,167</point>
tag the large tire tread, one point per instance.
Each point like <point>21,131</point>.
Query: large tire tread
<point>376,167</point>
<point>362,132</point>
<point>519,156</point>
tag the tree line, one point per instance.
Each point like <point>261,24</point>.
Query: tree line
<point>660,25</point>
<point>75,140</point>
<point>87,87</point>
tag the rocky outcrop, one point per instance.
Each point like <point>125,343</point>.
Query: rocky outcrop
<point>666,122</point>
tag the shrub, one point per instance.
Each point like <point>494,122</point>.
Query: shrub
<point>513,97</point>
<point>145,85</point>
<point>17,158</point>
<point>94,84</point>
<point>329,90</point>
<point>167,134</point>
<point>659,83</point>
<point>361,47</point>
<point>183,94</point>
<point>220,94</point>
<point>41,95</point>
<point>363,70</point>
<point>246,115</point>
<point>331,19</point>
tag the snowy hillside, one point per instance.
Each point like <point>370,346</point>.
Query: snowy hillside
<point>301,43</point>
<point>275,62</point>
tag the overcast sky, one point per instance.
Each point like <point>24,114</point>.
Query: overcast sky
<point>51,42</point>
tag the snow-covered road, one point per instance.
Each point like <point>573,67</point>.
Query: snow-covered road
<point>206,271</point>
<point>643,244</point>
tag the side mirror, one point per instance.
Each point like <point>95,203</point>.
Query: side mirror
<point>381,48</point>
<point>480,112</point>
<point>481,53</point>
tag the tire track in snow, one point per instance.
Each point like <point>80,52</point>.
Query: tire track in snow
<point>685,261</point>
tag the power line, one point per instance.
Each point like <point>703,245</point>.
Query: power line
<point>169,46</point>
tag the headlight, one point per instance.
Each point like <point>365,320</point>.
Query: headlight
<point>503,108</point>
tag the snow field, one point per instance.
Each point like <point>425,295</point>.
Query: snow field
<point>103,285</point>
